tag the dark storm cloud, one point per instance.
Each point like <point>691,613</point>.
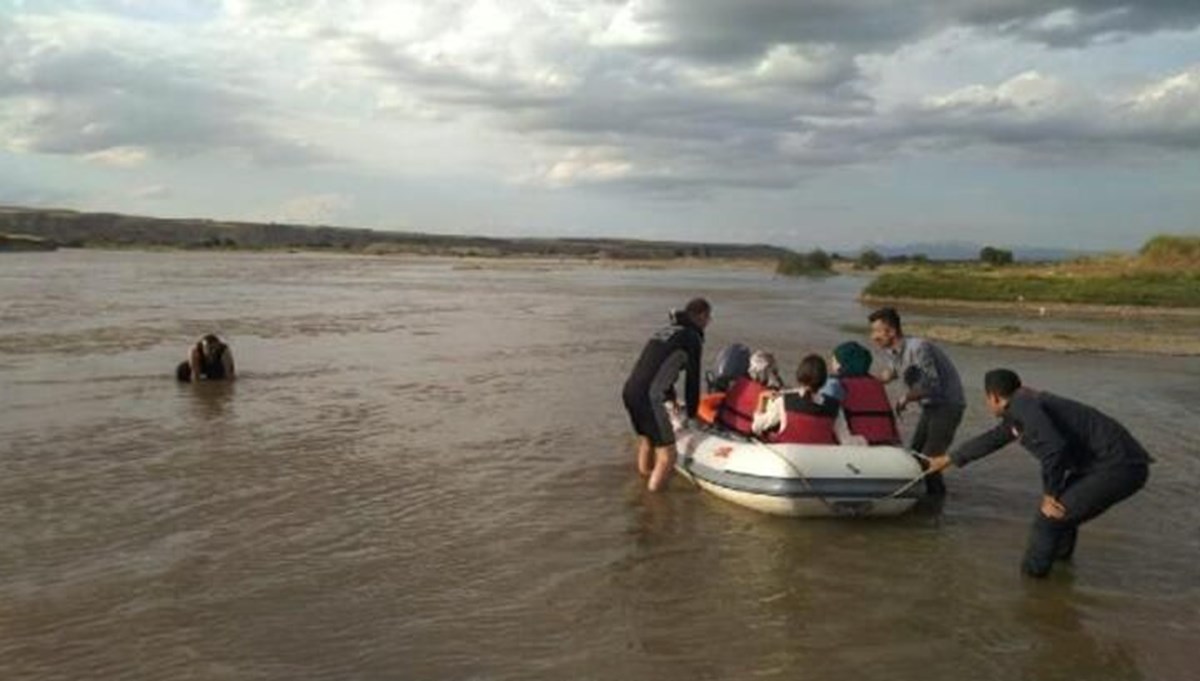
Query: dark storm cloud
<point>718,30</point>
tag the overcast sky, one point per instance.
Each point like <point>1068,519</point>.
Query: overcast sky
<point>828,122</point>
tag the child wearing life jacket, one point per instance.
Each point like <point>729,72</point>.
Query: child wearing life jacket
<point>736,410</point>
<point>800,416</point>
<point>863,398</point>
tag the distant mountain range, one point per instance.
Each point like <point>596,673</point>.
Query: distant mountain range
<point>965,250</point>
<point>75,229</point>
<point>78,229</point>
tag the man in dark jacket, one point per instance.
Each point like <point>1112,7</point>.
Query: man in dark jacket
<point>673,349</point>
<point>1089,461</point>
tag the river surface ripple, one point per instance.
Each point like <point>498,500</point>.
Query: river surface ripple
<point>424,472</point>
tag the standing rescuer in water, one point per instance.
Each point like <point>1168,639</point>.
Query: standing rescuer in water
<point>1089,461</point>
<point>675,348</point>
<point>930,379</point>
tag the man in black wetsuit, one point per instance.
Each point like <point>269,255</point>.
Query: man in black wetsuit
<point>673,349</point>
<point>1089,461</point>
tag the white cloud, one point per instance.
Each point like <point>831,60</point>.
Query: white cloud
<point>152,192</point>
<point>119,157</point>
<point>312,209</point>
<point>576,166</point>
<point>681,98</point>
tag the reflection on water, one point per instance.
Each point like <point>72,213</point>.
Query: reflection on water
<point>211,400</point>
<point>424,471</point>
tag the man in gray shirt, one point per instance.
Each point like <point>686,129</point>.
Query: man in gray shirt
<point>930,380</point>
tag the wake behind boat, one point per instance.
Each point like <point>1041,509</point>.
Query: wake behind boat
<point>798,479</point>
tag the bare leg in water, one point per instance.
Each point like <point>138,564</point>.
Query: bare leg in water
<point>664,463</point>
<point>645,456</point>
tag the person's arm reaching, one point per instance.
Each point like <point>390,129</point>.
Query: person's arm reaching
<point>194,361</point>
<point>983,444</point>
<point>974,449</point>
<point>692,388</point>
<point>769,416</point>
<point>842,430</point>
<point>227,362</point>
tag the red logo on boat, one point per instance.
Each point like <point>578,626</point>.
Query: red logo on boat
<point>722,452</point>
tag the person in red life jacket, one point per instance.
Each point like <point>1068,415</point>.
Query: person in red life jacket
<point>864,399</point>
<point>803,415</point>
<point>743,396</point>
<point>210,359</point>
<point>673,350</point>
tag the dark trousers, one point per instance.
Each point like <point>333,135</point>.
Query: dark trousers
<point>933,436</point>
<point>1085,497</point>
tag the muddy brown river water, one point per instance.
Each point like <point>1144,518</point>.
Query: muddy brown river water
<point>424,472</point>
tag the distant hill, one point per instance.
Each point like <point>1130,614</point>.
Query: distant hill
<point>965,250</point>
<point>21,242</point>
<point>75,229</point>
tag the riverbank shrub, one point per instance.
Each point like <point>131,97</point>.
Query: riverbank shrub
<point>1159,289</point>
<point>1167,250</point>
<point>813,263</point>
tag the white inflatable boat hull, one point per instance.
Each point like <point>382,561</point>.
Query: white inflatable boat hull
<point>800,480</point>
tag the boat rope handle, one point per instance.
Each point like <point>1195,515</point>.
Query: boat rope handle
<point>804,479</point>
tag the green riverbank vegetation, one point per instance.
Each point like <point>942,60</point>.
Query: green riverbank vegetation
<point>813,263</point>
<point>1165,273</point>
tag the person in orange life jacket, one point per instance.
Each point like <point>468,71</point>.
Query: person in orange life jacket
<point>863,397</point>
<point>1089,461</point>
<point>803,415</point>
<point>210,359</point>
<point>672,350</point>
<point>742,398</point>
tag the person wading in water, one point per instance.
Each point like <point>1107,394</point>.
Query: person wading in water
<point>675,348</point>
<point>930,380</point>
<point>210,359</point>
<point>1089,461</point>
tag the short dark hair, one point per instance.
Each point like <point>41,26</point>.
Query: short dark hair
<point>1001,382</point>
<point>696,307</point>
<point>887,315</point>
<point>812,372</point>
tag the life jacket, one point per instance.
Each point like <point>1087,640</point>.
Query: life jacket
<point>868,412</point>
<point>737,409</point>
<point>807,423</point>
<point>709,405</point>
<point>212,367</point>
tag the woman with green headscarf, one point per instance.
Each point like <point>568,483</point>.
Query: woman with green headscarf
<point>863,398</point>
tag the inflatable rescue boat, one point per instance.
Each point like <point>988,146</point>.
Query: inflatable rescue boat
<point>798,479</point>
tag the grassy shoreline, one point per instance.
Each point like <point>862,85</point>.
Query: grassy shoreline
<point>1165,275</point>
<point>1110,342</point>
<point>1035,309</point>
<point>463,261</point>
<point>1045,285</point>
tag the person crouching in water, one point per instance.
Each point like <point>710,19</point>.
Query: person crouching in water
<point>803,415</point>
<point>1089,461</point>
<point>210,359</point>
<point>675,348</point>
